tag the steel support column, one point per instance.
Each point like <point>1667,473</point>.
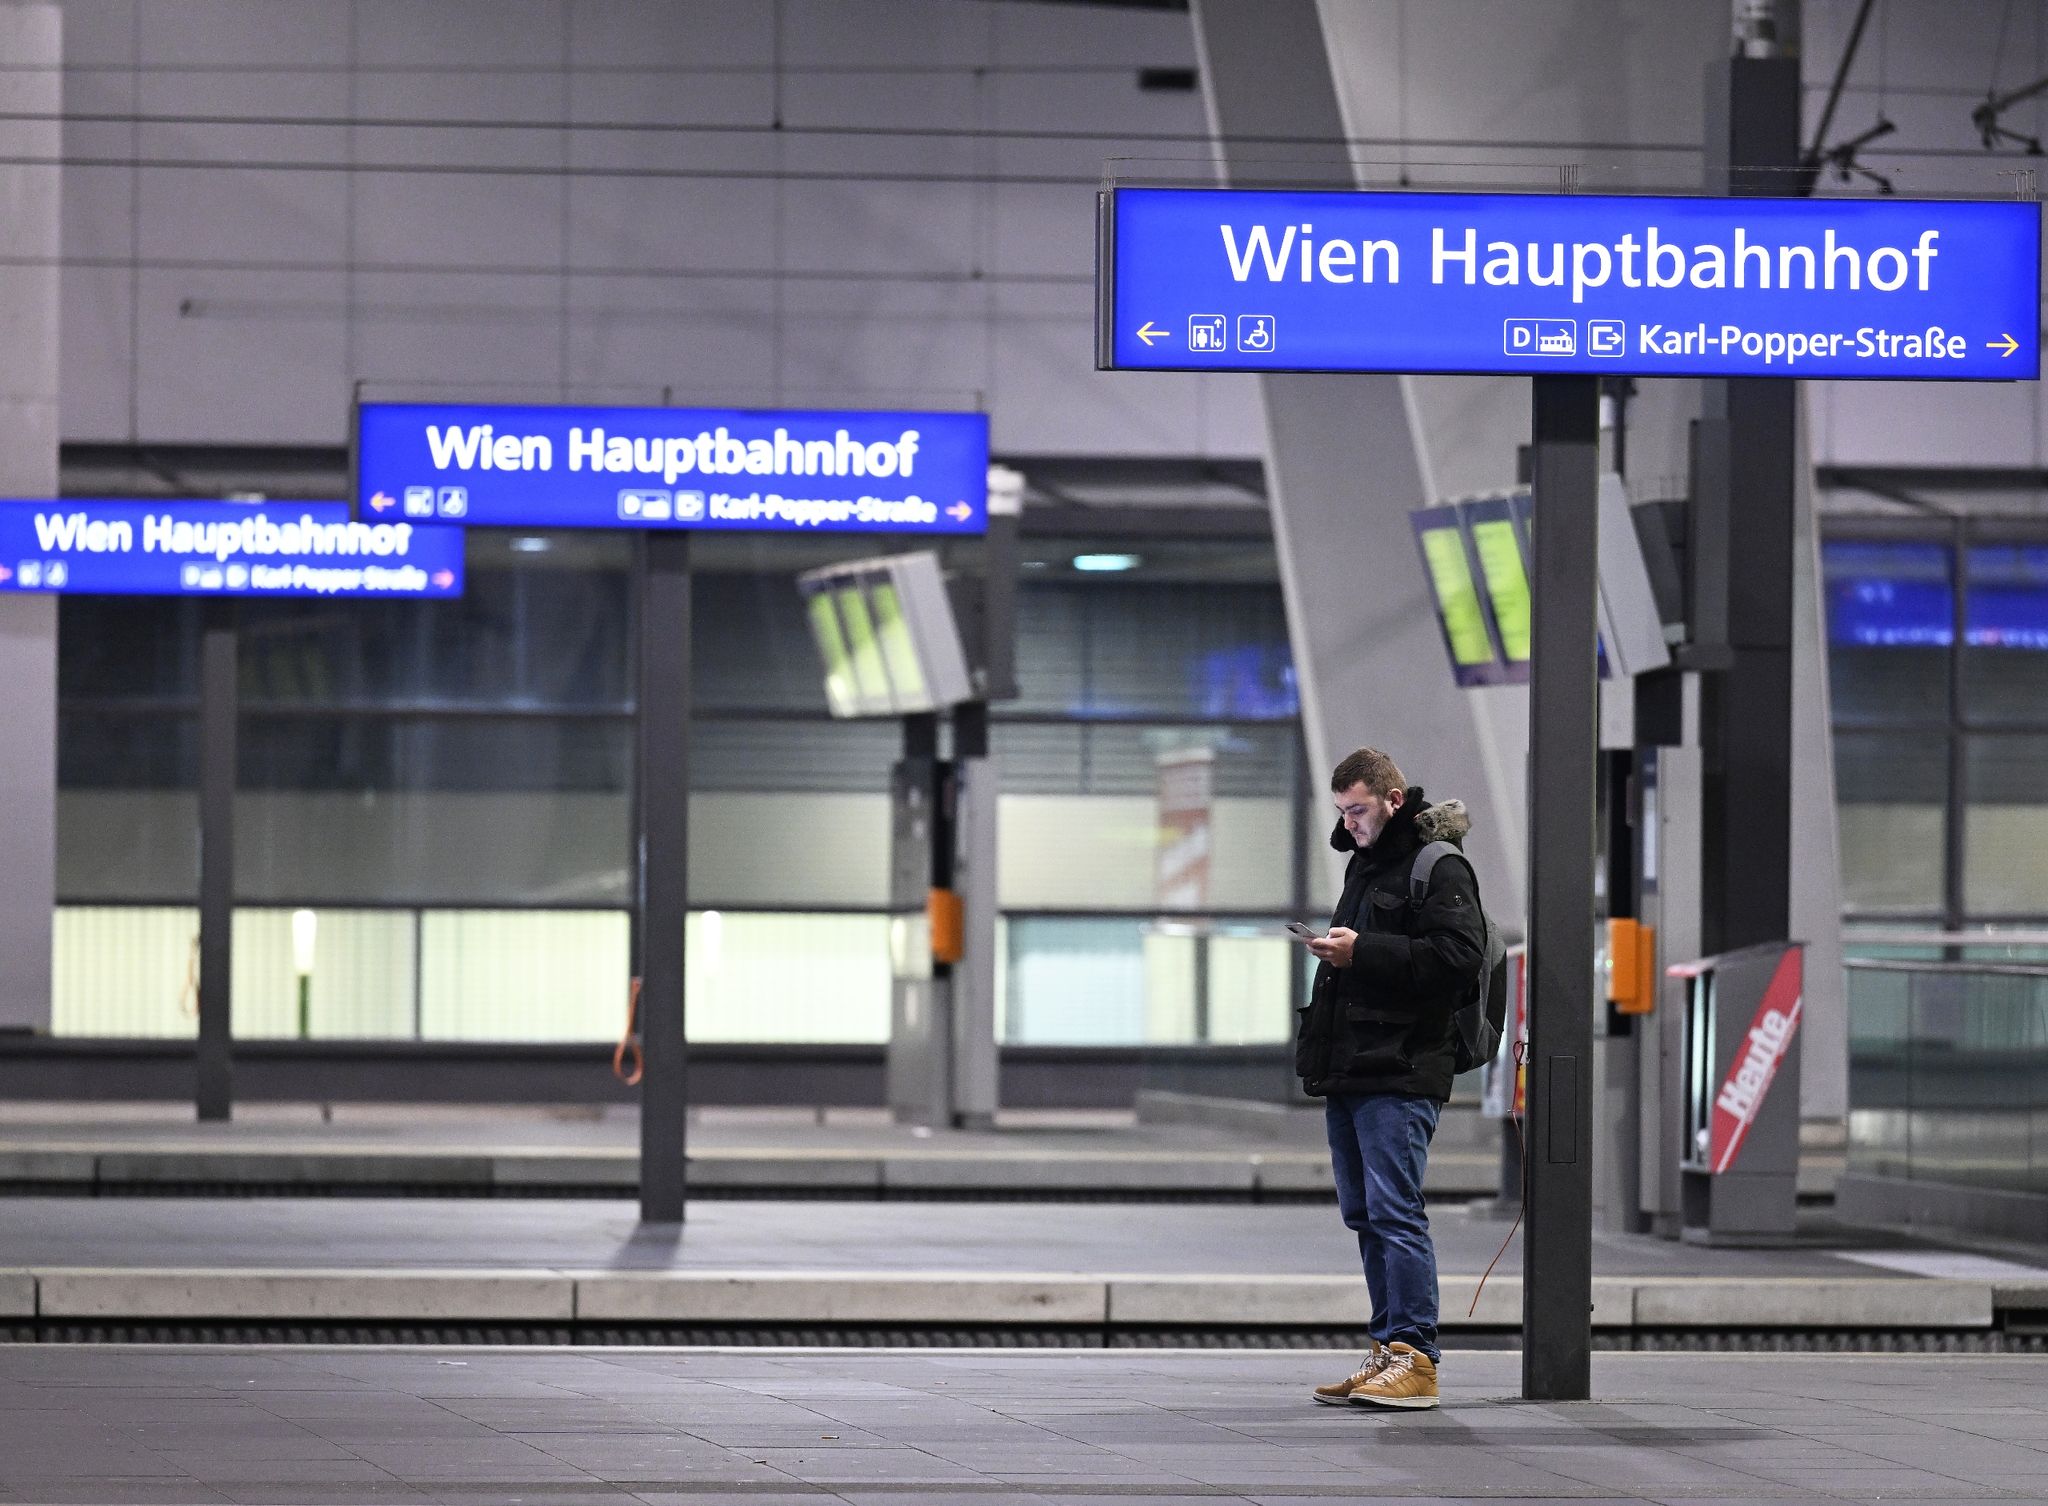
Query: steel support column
<point>1564,714</point>
<point>218,713</point>
<point>1746,711</point>
<point>663,775</point>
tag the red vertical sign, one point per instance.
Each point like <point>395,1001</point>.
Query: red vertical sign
<point>1756,1062</point>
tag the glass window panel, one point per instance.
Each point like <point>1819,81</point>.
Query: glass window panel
<point>282,752</point>
<point>2005,829</point>
<point>1891,623</point>
<point>753,649</point>
<point>797,759</point>
<point>1893,793</point>
<point>1077,981</point>
<point>533,628</point>
<point>361,987</point>
<point>1251,987</point>
<point>2005,652</point>
<point>1117,649</point>
<point>522,811</point>
<point>507,975</point>
<point>128,845</point>
<point>791,813</point>
<point>123,749</point>
<point>127,646</point>
<point>1081,816</point>
<point>747,982</point>
<point>127,806</point>
<point>124,970</point>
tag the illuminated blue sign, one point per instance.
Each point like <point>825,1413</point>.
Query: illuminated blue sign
<point>85,548</point>
<point>695,468</point>
<point>1529,284</point>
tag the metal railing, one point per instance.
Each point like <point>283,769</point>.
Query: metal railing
<point>1948,1063</point>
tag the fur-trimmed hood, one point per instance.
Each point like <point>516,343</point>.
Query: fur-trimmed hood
<point>1447,821</point>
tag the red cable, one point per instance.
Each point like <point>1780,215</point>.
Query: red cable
<point>630,1042</point>
<point>1521,1057</point>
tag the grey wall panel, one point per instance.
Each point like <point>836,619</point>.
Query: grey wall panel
<point>1047,400</point>
<point>98,200</point>
<point>459,219</point>
<point>97,356</point>
<point>241,215</point>
<point>483,34</point>
<point>872,313</point>
<point>99,33</point>
<point>707,340</point>
<point>241,356</point>
<point>870,33</point>
<point>447,333</point>
<point>270,33</point>
<point>677,34</point>
<point>661,226</point>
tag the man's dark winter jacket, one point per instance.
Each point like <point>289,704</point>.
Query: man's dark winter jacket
<point>1383,1024</point>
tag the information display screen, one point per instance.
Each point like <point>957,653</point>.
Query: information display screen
<point>1475,658</point>
<point>1497,543</point>
<point>841,693</point>
<point>887,636</point>
<point>210,548</point>
<point>778,471</point>
<point>899,649</point>
<point>864,650</point>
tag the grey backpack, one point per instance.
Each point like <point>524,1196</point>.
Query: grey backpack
<point>1481,1009</point>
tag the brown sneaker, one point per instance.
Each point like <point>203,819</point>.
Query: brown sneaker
<point>1408,1379</point>
<point>1336,1395</point>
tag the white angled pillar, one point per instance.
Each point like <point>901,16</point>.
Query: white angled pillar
<point>31,86</point>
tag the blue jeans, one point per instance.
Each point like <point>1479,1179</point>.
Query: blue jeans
<point>1378,1145</point>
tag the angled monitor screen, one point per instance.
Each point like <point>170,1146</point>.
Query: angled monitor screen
<point>864,652</point>
<point>1498,544</point>
<point>841,693</point>
<point>1475,659</point>
<point>898,647</point>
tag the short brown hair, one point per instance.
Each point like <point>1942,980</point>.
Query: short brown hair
<point>1371,768</point>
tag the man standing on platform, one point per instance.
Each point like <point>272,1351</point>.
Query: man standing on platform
<point>1375,1043</point>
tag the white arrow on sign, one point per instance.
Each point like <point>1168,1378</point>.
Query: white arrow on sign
<point>1148,334</point>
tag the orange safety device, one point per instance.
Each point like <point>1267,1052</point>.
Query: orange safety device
<point>947,917</point>
<point>1632,970</point>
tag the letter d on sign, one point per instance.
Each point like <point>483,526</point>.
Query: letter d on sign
<point>1520,336</point>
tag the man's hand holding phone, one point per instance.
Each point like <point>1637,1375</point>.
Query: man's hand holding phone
<point>1335,948</point>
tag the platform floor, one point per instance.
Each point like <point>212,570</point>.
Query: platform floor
<point>841,1152</point>
<point>1056,1272</point>
<point>1069,1238</point>
<point>845,1152</point>
<point>158,1426</point>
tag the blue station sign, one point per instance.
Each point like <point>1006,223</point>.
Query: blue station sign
<point>1526,284</point>
<point>203,548</point>
<point>692,468</point>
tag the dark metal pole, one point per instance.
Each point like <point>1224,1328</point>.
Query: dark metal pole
<point>214,1067</point>
<point>664,782</point>
<point>1557,1249</point>
<point>1746,491</point>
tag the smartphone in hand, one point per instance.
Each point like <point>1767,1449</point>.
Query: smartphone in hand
<point>1301,932</point>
